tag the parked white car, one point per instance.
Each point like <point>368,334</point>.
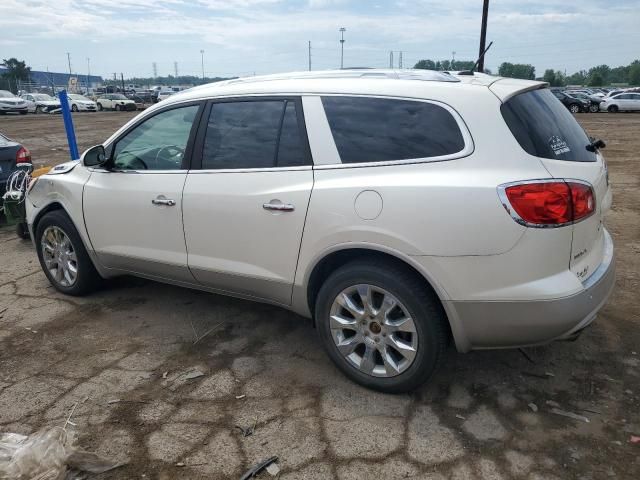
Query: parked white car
<point>115,101</point>
<point>622,102</point>
<point>80,103</point>
<point>164,94</point>
<point>41,103</point>
<point>10,103</point>
<point>398,210</point>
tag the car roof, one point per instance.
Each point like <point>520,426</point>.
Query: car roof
<point>388,82</point>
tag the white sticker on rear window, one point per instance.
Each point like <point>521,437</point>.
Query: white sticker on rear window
<point>558,145</point>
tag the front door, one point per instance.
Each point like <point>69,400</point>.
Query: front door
<point>133,209</point>
<point>245,208</point>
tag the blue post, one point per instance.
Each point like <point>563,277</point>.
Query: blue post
<point>68,125</point>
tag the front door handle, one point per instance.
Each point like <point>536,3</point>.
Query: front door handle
<point>161,200</point>
<point>278,206</point>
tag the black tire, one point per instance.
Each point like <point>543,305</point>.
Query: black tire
<point>74,108</point>
<point>422,305</point>
<point>575,108</point>
<point>594,108</point>
<point>613,109</point>
<point>87,278</point>
<point>38,109</point>
<point>117,108</point>
<point>24,113</point>
<point>100,107</point>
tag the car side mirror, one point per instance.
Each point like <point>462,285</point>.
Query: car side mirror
<point>94,157</point>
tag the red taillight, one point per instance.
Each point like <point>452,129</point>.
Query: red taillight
<point>549,203</point>
<point>23,156</point>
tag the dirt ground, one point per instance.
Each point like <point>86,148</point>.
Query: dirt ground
<point>124,357</point>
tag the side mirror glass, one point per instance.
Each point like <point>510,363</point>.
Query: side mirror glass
<point>94,157</point>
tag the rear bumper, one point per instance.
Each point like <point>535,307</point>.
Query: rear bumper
<point>495,324</point>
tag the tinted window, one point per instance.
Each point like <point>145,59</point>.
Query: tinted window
<point>158,143</point>
<point>253,134</point>
<point>545,128</point>
<point>377,129</point>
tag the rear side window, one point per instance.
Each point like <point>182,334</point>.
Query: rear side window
<point>545,128</point>
<point>378,129</point>
<point>253,134</point>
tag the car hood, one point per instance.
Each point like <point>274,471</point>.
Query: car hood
<point>48,103</point>
<point>12,101</point>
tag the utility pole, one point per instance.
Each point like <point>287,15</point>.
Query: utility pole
<point>154,65</point>
<point>453,60</point>
<point>399,59</point>
<point>391,59</point>
<point>175,68</point>
<point>122,80</point>
<point>483,35</point>
<point>202,57</point>
<point>309,55</point>
<point>88,72</point>
<point>342,30</point>
<point>69,61</point>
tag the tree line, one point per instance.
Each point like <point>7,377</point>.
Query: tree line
<point>599,76</point>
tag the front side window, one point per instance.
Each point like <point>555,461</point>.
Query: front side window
<point>253,134</point>
<point>158,143</point>
<point>378,129</point>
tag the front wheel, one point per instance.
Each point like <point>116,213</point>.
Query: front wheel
<point>74,108</point>
<point>63,257</point>
<point>38,109</point>
<point>574,108</point>
<point>100,107</point>
<point>594,108</point>
<point>381,325</point>
<point>612,109</point>
<point>117,108</point>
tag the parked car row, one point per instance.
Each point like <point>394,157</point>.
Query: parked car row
<point>599,100</point>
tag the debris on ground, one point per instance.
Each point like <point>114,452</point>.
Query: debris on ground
<point>572,415</point>
<point>460,417</point>
<point>634,439</point>
<point>256,469</point>
<point>273,469</point>
<point>47,454</point>
<point>240,397</point>
<point>248,430</point>
<point>552,403</point>
<point>195,373</point>
<point>533,407</point>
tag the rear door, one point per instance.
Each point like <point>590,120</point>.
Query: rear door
<point>634,101</point>
<point>546,130</point>
<point>246,200</point>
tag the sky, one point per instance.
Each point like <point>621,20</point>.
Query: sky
<point>246,37</point>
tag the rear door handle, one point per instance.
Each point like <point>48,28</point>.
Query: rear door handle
<point>161,200</point>
<point>278,206</point>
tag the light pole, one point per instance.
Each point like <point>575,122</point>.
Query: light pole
<point>202,56</point>
<point>342,30</point>
<point>88,73</point>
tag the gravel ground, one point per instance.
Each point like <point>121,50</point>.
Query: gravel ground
<point>124,357</point>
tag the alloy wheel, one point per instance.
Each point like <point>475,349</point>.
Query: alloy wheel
<point>373,331</point>
<point>59,256</point>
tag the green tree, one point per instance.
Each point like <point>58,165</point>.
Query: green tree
<point>517,70</point>
<point>601,73</point>
<point>425,65</point>
<point>550,77</point>
<point>634,73</point>
<point>578,78</point>
<point>16,70</point>
<point>596,80</point>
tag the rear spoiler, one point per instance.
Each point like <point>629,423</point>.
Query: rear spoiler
<point>506,88</point>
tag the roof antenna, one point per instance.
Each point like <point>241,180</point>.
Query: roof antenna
<point>475,65</point>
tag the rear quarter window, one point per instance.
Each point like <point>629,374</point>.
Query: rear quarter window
<point>544,127</point>
<point>369,129</point>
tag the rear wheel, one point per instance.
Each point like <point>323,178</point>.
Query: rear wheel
<point>574,108</point>
<point>74,108</point>
<point>38,109</point>
<point>381,326</point>
<point>613,109</point>
<point>100,106</point>
<point>63,257</point>
<point>117,108</point>
<point>594,108</point>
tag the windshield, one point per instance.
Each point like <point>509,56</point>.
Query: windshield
<point>545,128</point>
<point>119,97</point>
<point>43,97</point>
<point>75,96</point>
<point>5,94</point>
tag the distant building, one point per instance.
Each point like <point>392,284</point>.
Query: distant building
<point>39,80</point>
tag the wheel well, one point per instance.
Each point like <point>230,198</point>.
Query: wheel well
<point>49,208</point>
<point>334,260</point>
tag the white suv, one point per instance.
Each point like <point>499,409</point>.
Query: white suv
<point>396,209</point>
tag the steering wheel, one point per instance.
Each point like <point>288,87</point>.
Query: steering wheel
<point>177,151</point>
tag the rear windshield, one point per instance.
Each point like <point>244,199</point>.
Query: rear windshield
<point>545,128</point>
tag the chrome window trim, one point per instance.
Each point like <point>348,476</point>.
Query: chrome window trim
<point>502,194</point>
<point>250,170</point>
